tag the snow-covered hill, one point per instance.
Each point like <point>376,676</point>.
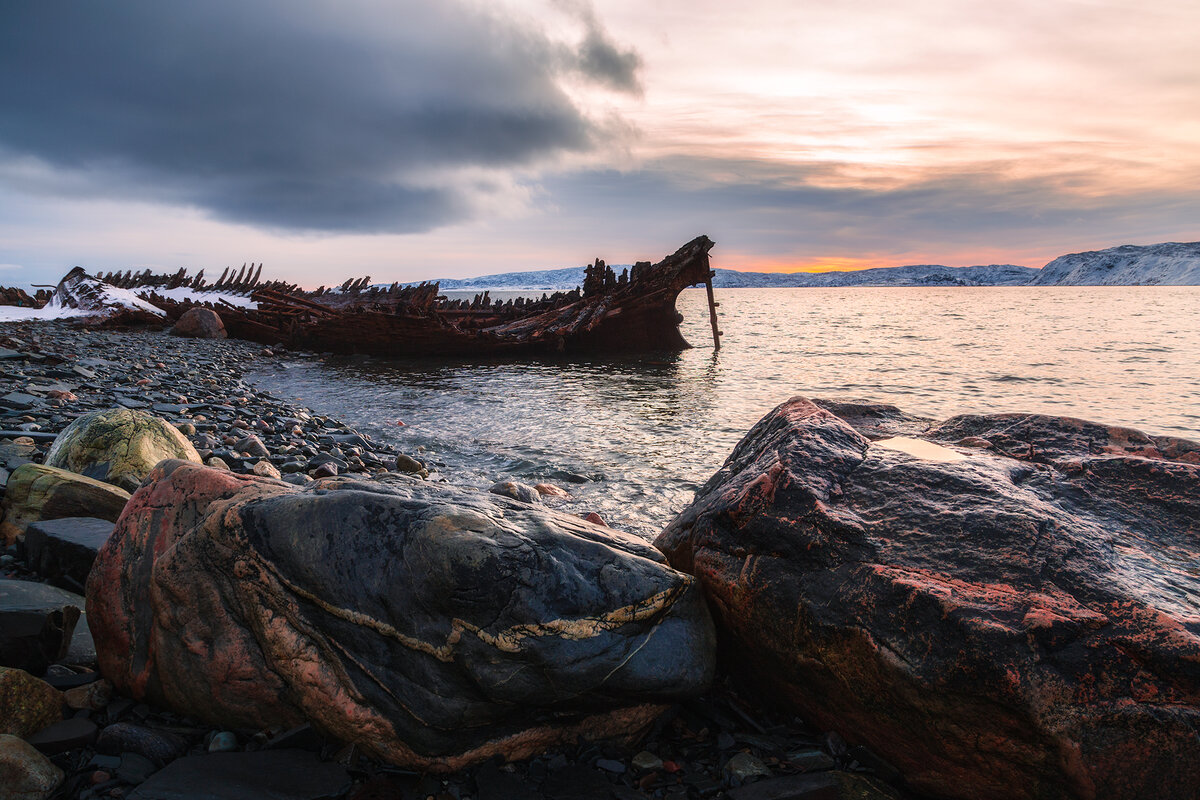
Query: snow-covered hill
<point>556,280</point>
<point>912,275</point>
<point>547,280</point>
<point>1166,264</point>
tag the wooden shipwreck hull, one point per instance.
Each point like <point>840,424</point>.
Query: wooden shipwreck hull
<point>632,312</point>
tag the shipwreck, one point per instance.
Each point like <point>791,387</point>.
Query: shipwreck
<point>630,312</point>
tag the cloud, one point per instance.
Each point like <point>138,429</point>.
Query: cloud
<point>777,212</point>
<point>597,57</point>
<point>356,116</point>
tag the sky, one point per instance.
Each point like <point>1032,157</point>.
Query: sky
<point>412,140</point>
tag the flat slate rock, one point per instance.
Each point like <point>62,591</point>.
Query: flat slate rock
<point>65,548</point>
<point>19,400</point>
<point>24,603</point>
<point>64,735</point>
<point>822,786</point>
<point>37,436</point>
<point>264,775</point>
<point>36,624</point>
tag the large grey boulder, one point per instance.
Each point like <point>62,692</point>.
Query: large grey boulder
<point>434,627</point>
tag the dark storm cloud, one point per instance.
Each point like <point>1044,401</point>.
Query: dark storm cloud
<point>603,62</point>
<point>597,57</point>
<point>369,116</point>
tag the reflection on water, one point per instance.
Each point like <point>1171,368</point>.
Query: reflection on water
<point>647,430</point>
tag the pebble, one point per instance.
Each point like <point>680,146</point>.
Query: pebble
<point>517,491</point>
<point>743,766</point>
<point>92,696</point>
<point>267,470</point>
<point>326,470</point>
<point>223,742</point>
<point>647,761</point>
<point>408,464</point>
<point>124,738</point>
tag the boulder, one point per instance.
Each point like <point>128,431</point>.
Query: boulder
<point>1019,615</point>
<point>38,492</point>
<point>200,323</point>
<point>27,704</point>
<point>38,624</point>
<point>435,627</point>
<point>25,774</point>
<point>118,446</point>
<point>62,550</point>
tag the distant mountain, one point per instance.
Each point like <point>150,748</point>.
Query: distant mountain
<point>1170,263</point>
<point>563,280</point>
<point>913,275</point>
<point>547,280</point>
<point>1167,264</point>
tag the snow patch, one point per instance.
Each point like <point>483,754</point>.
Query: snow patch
<point>187,293</point>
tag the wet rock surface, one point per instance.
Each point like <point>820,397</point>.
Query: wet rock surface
<point>1013,610</point>
<point>434,627</point>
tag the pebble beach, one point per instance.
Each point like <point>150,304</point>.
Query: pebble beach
<point>727,743</point>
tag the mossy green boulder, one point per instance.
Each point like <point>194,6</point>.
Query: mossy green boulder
<point>119,446</point>
<point>36,492</point>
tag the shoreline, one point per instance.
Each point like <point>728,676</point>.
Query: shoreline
<point>706,747</point>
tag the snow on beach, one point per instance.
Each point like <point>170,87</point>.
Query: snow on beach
<point>104,298</point>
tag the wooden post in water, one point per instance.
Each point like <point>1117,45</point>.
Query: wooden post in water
<point>712,312</point>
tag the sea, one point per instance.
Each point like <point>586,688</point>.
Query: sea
<point>632,437</point>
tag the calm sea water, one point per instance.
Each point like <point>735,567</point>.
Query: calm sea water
<point>646,431</point>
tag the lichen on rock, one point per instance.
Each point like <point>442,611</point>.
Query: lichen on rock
<point>119,446</point>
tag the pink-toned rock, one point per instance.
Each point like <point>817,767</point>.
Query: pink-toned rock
<point>1015,619</point>
<point>550,490</point>
<point>595,519</point>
